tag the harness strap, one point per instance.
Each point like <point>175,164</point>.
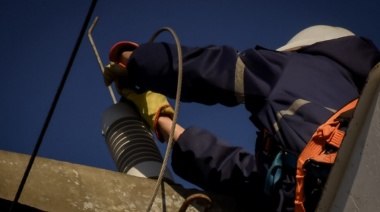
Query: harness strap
<point>328,133</point>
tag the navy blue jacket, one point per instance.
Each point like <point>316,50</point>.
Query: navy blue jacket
<point>288,93</point>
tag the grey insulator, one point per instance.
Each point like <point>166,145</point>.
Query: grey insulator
<point>131,142</point>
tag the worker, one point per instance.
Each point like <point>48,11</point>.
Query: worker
<point>290,92</point>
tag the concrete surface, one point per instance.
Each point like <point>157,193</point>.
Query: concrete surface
<point>60,186</point>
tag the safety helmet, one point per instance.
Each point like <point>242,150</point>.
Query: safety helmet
<point>313,35</point>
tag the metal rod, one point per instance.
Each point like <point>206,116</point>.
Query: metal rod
<point>98,57</point>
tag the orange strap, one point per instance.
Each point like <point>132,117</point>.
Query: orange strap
<point>327,133</point>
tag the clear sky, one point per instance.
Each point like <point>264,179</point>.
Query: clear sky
<point>38,37</point>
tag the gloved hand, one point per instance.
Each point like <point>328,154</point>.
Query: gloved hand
<point>151,106</point>
<point>117,73</point>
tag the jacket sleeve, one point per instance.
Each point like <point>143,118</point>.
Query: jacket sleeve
<point>208,162</point>
<point>208,72</point>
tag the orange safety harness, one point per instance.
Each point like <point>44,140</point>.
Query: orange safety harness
<point>312,165</point>
<point>328,133</point>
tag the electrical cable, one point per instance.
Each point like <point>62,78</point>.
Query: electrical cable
<point>178,96</point>
<point>53,105</point>
<point>191,198</point>
<point>170,140</point>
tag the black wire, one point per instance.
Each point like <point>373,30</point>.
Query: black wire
<point>54,103</point>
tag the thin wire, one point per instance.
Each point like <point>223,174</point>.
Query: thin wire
<point>98,57</point>
<point>178,96</point>
<point>54,103</point>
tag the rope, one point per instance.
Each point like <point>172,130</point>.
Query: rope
<point>53,105</point>
<point>178,96</point>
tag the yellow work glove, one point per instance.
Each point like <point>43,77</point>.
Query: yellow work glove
<point>151,106</point>
<point>117,73</point>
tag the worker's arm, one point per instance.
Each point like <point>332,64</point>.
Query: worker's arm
<point>208,72</point>
<point>207,161</point>
<point>164,127</point>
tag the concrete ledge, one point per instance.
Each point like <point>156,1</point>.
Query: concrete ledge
<point>60,186</point>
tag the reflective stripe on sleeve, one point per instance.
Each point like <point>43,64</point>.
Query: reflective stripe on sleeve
<point>290,111</point>
<point>297,104</point>
<point>239,81</point>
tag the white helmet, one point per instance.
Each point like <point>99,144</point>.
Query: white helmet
<point>314,34</point>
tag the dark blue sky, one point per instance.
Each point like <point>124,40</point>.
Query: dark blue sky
<point>38,37</point>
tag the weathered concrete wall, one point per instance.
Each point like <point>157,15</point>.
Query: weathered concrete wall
<point>353,184</point>
<point>60,186</point>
